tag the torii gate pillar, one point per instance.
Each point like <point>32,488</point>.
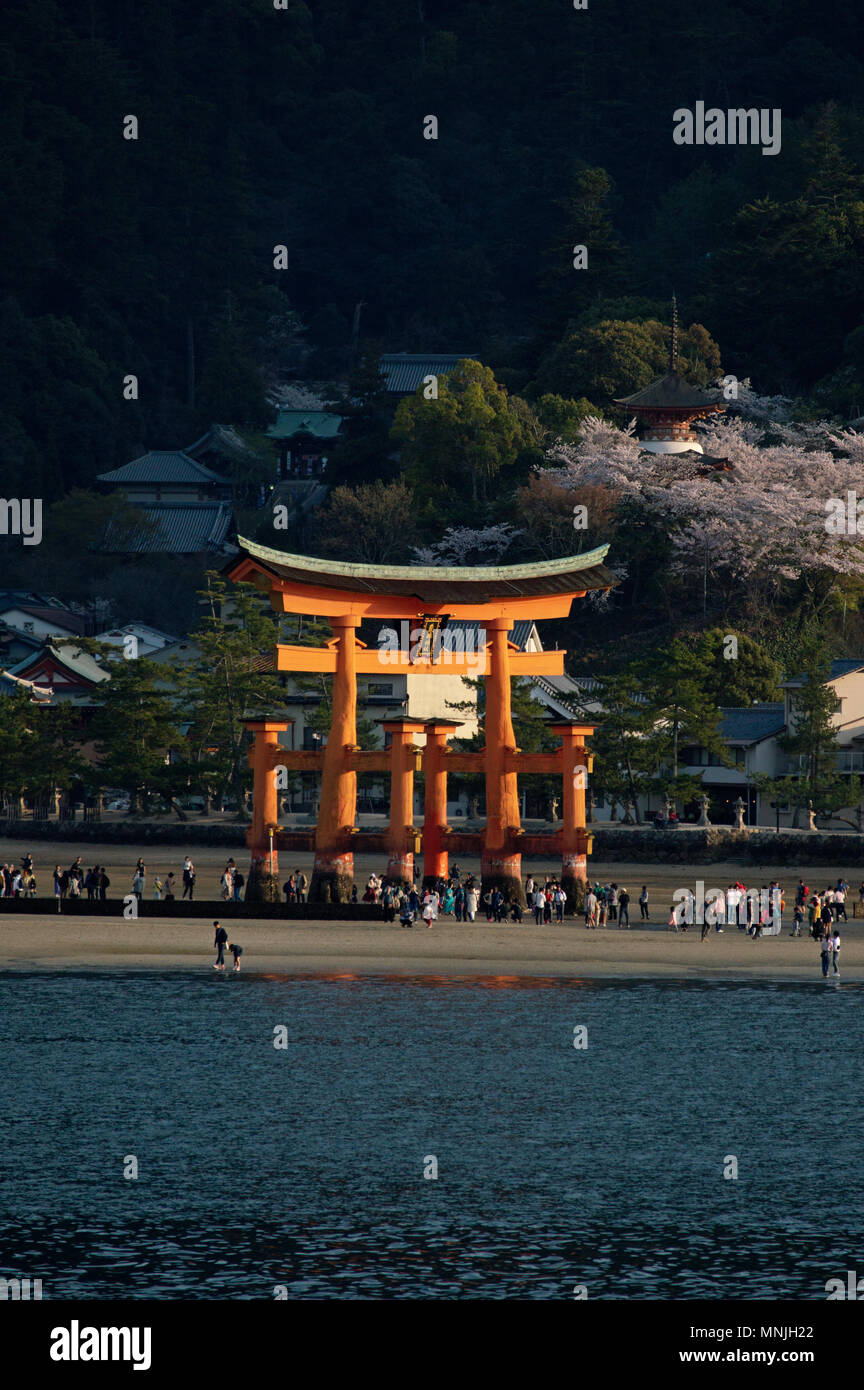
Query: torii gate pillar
<point>576,763</point>
<point>400,831</point>
<point>436,859</point>
<point>333,871</point>
<point>499,864</point>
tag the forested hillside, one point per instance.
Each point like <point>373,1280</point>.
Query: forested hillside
<point>303,126</point>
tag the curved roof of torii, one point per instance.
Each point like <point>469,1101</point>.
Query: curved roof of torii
<point>436,585</point>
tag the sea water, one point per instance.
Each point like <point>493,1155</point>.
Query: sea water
<point>183,1136</point>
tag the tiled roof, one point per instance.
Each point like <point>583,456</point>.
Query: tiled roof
<point>319,423</point>
<point>59,617</point>
<point>11,684</point>
<point>405,371</point>
<point>843,667</point>
<point>751,723</point>
<point>67,655</point>
<point>173,529</point>
<point>673,392</point>
<point>161,467</point>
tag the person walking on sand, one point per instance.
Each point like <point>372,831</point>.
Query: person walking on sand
<point>623,908</point>
<point>672,924</point>
<point>835,950</point>
<point>591,910</point>
<point>236,952</point>
<point>643,904</point>
<point>220,941</point>
<point>169,888</point>
<point>825,953</point>
<point>188,878</point>
<point>539,905</point>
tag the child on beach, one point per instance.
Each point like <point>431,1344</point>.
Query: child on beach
<point>236,952</point>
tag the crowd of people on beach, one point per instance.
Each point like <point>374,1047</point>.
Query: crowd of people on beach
<point>757,911</point>
<point>463,899</point>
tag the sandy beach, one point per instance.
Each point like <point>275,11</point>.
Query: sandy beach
<point>54,942</point>
<point>448,949</point>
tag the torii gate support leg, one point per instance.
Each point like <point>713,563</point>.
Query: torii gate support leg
<point>333,872</point>
<point>499,864</point>
<point>575,841</point>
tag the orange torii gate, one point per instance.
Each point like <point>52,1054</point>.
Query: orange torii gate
<point>494,597</point>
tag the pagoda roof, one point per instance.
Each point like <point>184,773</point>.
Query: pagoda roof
<point>435,584</point>
<point>671,392</point>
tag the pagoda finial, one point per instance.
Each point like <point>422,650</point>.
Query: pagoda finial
<point>673,344</point>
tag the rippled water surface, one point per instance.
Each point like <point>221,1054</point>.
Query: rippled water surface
<point>303,1166</point>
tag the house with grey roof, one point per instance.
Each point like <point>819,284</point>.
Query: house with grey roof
<point>185,507</point>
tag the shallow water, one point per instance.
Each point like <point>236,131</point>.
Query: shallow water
<point>304,1166</point>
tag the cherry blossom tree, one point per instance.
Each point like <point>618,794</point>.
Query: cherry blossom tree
<point>465,545</point>
<point>763,512</point>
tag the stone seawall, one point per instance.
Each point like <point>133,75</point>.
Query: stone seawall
<point>214,909</point>
<point>690,845</point>
<point>128,832</point>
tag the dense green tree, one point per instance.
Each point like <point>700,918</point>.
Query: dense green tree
<point>812,742</point>
<point>617,357</point>
<point>134,726</point>
<point>454,446</point>
<point>231,678</point>
<point>738,671</point>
